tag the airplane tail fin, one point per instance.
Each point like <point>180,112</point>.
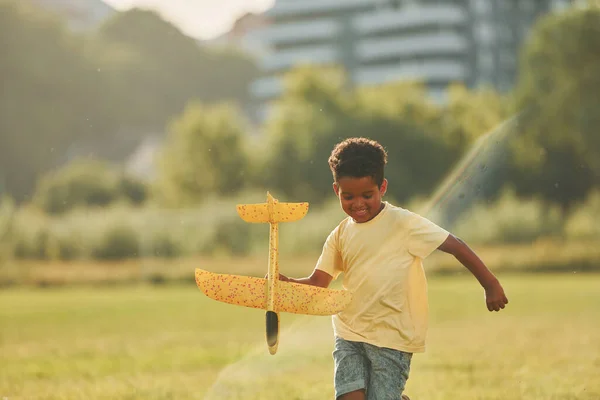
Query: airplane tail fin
<point>272,212</point>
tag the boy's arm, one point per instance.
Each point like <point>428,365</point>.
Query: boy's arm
<point>494,293</point>
<point>329,260</point>
<point>317,278</point>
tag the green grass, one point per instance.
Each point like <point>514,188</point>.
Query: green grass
<point>170,342</point>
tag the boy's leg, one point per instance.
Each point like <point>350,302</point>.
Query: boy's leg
<point>388,373</point>
<point>351,370</point>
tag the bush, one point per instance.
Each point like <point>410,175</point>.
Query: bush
<point>162,245</point>
<point>29,231</point>
<point>583,222</point>
<point>233,237</point>
<point>86,183</point>
<point>7,215</point>
<point>66,244</point>
<point>117,243</point>
<point>132,190</point>
<point>308,235</point>
<point>510,220</point>
<point>121,232</point>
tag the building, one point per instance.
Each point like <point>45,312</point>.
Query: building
<point>498,30</point>
<point>440,42</point>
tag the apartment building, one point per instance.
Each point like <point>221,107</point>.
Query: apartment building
<point>437,41</point>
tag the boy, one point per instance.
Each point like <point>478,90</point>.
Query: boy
<point>380,248</point>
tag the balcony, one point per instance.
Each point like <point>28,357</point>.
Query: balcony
<point>302,8</point>
<point>409,17</point>
<point>296,32</point>
<point>287,59</point>
<point>428,71</point>
<point>394,47</point>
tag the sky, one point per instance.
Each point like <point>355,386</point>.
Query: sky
<point>203,19</point>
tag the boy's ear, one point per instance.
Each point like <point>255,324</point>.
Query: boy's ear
<point>383,188</point>
<point>336,189</point>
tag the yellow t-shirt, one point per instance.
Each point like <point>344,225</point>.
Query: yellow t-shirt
<point>382,264</point>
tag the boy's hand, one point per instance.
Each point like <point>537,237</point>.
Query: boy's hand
<point>281,277</point>
<point>495,297</point>
<point>494,294</point>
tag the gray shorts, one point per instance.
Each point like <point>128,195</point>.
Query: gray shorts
<point>380,371</point>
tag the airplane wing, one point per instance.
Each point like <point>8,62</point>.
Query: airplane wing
<point>254,212</point>
<point>312,300</point>
<point>290,212</point>
<point>233,289</point>
<point>282,212</point>
<point>290,297</point>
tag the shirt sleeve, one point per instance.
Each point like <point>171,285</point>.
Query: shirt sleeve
<point>424,236</point>
<point>330,260</point>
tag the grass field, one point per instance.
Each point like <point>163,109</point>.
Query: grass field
<point>170,342</point>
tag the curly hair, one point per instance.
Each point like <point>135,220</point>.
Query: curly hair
<point>358,158</point>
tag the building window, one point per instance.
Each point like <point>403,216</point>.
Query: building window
<point>508,59</point>
<point>527,6</point>
<point>484,33</point>
<point>390,4</point>
<point>560,4</point>
<point>485,62</point>
<point>482,7</point>
<point>503,6</point>
<point>505,32</point>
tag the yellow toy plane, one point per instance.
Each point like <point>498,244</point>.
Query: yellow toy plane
<point>271,294</point>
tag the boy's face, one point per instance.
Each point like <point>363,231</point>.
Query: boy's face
<point>360,198</point>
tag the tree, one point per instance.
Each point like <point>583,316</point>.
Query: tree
<point>46,100</point>
<point>204,154</point>
<point>62,91</point>
<point>318,109</point>
<point>401,117</point>
<point>312,115</point>
<point>157,69</point>
<point>470,114</point>
<point>558,154</point>
<point>163,73</point>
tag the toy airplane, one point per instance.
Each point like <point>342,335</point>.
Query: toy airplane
<point>271,294</point>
